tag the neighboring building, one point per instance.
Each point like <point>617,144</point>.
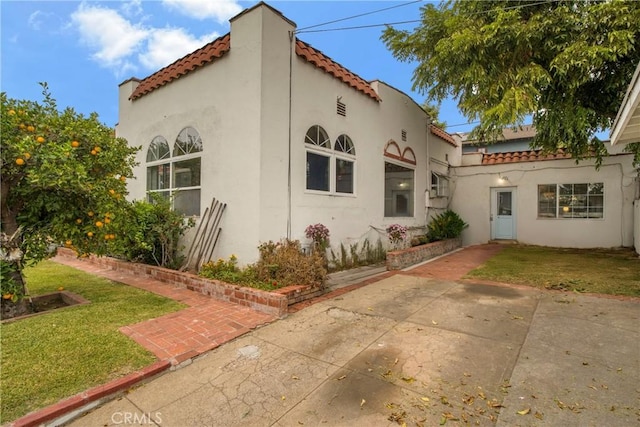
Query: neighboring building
<point>626,130</point>
<point>285,136</point>
<point>517,138</point>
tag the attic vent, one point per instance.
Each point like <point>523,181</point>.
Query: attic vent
<point>341,109</point>
<point>404,135</point>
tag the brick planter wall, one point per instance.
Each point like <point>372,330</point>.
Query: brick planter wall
<point>397,260</point>
<point>274,302</point>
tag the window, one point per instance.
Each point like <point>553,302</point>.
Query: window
<point>329,169</point>
<point>571,200</point>
<point>439,185</point>
<point>169,171</point>
<point>398,190</point>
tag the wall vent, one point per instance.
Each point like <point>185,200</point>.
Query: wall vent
<point>404,135</point>
<point>341,109</point>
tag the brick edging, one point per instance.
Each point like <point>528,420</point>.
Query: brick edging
<point>275,303</point>
<point>79,400</point>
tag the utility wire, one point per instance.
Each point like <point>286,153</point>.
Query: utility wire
<point>358,27</point>
<point>356,16</point>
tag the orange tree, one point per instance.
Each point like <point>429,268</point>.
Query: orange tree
<point>63,183</point>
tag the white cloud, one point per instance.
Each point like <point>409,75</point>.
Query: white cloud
<point>165,45</point>
<point>35,19</point>
<point>131,8</point>
<point>220,10</point>
<point>113,37</point>
<point>124,45</point>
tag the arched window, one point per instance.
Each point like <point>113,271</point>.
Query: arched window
<point>329,169</point>
<point>179,173</point>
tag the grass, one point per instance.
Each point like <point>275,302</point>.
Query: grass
<point>56,355</point>
<point>602,271</point>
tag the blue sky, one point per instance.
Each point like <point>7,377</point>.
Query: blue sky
<point>83,50</point>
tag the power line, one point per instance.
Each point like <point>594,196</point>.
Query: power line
<point>356,16</point>
<point>358,27</point>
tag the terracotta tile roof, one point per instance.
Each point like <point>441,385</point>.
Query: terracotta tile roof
<point>327,64</point>
<point>523,156</point>
<point>440,133</point>
<point>191,62</point>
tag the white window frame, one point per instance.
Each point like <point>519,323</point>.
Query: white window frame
<point>412,190</point>
<point>559,207</point>
<point>171,159</point>
<point>333,154</point>
<point>441,187</point>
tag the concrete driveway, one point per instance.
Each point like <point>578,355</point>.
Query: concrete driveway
<point>415,351</point>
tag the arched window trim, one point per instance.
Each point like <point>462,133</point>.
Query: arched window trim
<point>318,145</point>
<point>162,173</point>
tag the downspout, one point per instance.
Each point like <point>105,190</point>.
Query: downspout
<point>292,40</point>
<point>427,201</point>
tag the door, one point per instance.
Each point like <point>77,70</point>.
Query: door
<point>503,213</point>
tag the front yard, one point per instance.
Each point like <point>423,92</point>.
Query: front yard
<point>603,271</point>
<point>56,355</point>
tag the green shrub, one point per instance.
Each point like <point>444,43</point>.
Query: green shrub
<point>447,225</point>
<point>153,232</point>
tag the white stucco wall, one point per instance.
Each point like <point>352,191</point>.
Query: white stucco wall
<point>473,184</point>
<point>370,125</point>
<point>636,225</point>
<point>252,118</point>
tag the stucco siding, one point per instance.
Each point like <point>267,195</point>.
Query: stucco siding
<point>473,184</point>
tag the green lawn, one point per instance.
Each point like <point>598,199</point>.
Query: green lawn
<point>56,355</point>
<point>603,271</point>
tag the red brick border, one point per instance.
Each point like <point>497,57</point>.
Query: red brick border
<point>275,303</point>
<point>79,400</point>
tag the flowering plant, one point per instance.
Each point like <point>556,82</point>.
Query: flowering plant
<point>397,233</point>
<point>317,232</point>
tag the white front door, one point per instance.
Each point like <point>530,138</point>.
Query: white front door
<point>503,213</point>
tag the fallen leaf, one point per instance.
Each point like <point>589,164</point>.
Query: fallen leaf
<point>369,308</point>
<point>482,396</point>
<point>538,415</point>
<point>395,362</point>
<point>362,403</point>
<point>424,399</point>
<point>434,322</point>
<point>524,411</point>
<point>494,403</point>
<point>408,379</point>
<point>585,363</point>
<point>283,397</point>
<point>342,377</point>
<point>514,317</point>
<point>560,404</point>
<point>295,377</point>
<point>466,374</point>
<point>469,400</point>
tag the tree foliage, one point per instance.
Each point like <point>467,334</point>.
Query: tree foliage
<point>566,63</point>
<point>433,110</point>
<point>63,181</point>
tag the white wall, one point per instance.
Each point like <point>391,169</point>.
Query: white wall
<point>636,225</point>
<point>471,200</point>
<point>370,125</point>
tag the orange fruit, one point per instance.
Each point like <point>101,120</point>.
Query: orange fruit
<point>78,221</point>
<point>75,144</point>
<point>22,126</point>
<point>99,224</point>
<point>12,113</point>
<point>68,243</point>
<point>123,178</point>
<point>90,213</point>
<point>112,191</point>
<point>90,234</point>
<point>31,128</point>
<point>112,236</point>
<point>7,296</point>
<point>107,220</point>
<point>26,156</point>
<point>94,152</point>
<point>61,288</point>
<point>19,161</point>
<point>40,139</point>
<point>96,149</point>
